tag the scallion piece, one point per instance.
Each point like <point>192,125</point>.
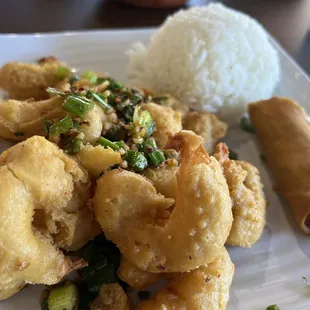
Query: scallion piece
<point>62,72</point>
<point>149,145</point>
<point>107,143</point>
<point>75,77</point>
<point>55,91</point>
<point>273,307</point>
<point>156,158</point>
<point>78,106</point>
<point>63,126</point>
<point>143,119</point>
<point>246,125</point>
<point>114,85</point>
<point>101,100</point>
<point>121,144</point>
<point>73,145</point>
<point>63,297</point>
<point>90,76</point>
<point>136,160</point>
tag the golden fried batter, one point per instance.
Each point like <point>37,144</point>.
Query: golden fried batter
<point>206,125</point>
<point>205,288</point>
<point>23,81</point>
<point>43,195</point>
<point>111,297</point>
<point>166,120</point>
<point>159,234</point>
<point>135,277</point>
<point>249,203</point>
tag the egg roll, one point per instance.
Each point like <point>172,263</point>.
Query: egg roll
<point>283,131</point>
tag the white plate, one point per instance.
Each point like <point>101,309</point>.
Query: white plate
<point>268,273</point>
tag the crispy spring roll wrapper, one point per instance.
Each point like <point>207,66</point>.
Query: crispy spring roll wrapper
<point>283,132</point>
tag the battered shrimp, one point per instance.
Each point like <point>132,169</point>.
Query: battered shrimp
<point>166,120</point>
<point>249,203</point>
<point>159,234</point>
<point>43,195</point>
<point>27,117</point>
<point>164,180</point>
<point>23,81</point>
<point>205,288</point>
<point>111,297</point>
<point>206,125</point>
<point>135,277</point>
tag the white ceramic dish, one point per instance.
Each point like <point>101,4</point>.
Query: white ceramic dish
<point>268,273</point>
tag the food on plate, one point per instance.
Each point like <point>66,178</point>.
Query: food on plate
<point>111,297</point>
<point>149,234</point>
<point>206,125</point>
<point>248,200</point>
<point>166,120</point>
<point>20,120</point>
<point>23,81</point>
<point>164,180</point>
<point>135,277</point>
<point>206,287</point>
<point>282,129</point>
<point>43,206</point>
<point>93,148</point>
<point>212,58</point>
<point>96,159</point>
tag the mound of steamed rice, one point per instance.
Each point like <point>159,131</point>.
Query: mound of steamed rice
<point>212,58</point>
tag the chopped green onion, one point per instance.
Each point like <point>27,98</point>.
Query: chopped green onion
<point>144,295</point>
<point>273,307</point>
<point>107,143</point>
<point>233,155</point>
<point>63,297</point>
<point>128,113</point>
<point>101,99</point>
<point>90,76</point>
<point>73,145</point>
<point>55,91</point>
<point>136,98</point>
<point>114,85</point>
<point>136,160</point>
<point>62,72</point>
<point>19,134</point>
<point>149,145</point>
<point>46,127</point>
<point>78,106</point>
<point>159,100</point>
<point>246,125</point>
<point>75,77</point>
<point>156,158</point>
<point>121,144</point>
<point>62,126</point>
<point>143,119</point>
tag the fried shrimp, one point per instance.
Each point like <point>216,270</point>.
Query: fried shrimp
<point>206,125</point>
<point>164,180</point>
<point>23,81</point>
<point>43,196</point>
<point>27,117</point>
<point>135,277</point>
<point>111,297</point>
<point>205,288</point>
<point>145,225</point>
<point>166,120</point>
<point>249,203</point>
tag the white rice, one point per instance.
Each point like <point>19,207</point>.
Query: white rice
<point>213,58</point>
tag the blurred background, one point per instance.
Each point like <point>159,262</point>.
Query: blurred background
<point>287,20</point>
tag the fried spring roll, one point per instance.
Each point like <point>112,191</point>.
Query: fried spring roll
<point>283,132</point>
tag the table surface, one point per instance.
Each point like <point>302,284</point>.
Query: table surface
<point>27,16</point>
